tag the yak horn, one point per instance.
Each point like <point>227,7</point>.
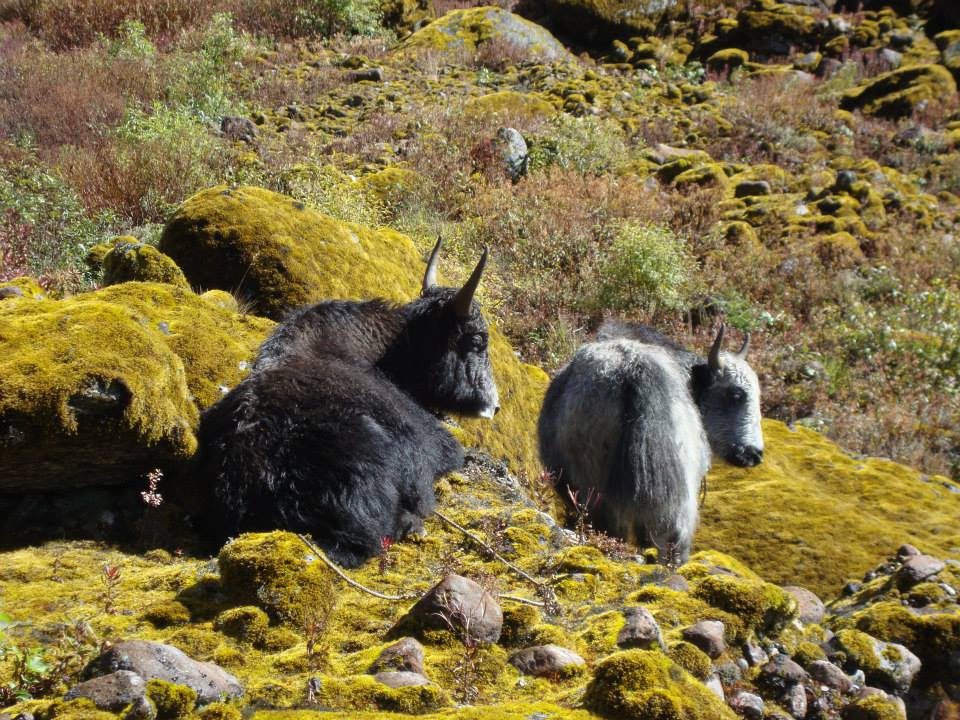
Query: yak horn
<point>714,358</point>
<point>742,352</point>
<point>430,276</point>
<point>461,301</point>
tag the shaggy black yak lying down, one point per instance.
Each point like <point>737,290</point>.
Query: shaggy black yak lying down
<point>331,433</point>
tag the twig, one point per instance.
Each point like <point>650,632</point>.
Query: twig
<point>522,601</point>
<point>544,590</point>
<point>343,576</point>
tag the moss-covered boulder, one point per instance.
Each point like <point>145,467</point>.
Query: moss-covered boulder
<point>462,33</point>
<point>103,386</point>
<point>648,685</point>
<point>130,260</point>
<point>281,254</point>
<point>899,93</point>
<point>771,28</point>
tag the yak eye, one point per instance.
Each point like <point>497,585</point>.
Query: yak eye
<point>737,395</point>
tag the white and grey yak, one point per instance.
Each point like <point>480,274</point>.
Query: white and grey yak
<point>635,416</point>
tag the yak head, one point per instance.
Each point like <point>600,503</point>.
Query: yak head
<point>448,340</point>
<point>728,395</point>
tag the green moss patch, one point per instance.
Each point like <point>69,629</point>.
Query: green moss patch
<point>896,94</point>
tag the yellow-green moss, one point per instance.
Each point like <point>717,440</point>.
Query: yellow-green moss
<point>728,58</point>
<point>131,260</point>
<point>897,93</point>
<point>278,573</point>
<point>172,701</point>
<point>647,685</point>
<point>807,652</point>
<point>511,710</point>
<point>392,184</point>
<point>840,249</point>
<point>510,105</point>
<point>363,692</point>
<point>219,711</point>
<point>760,605</point>
<point>167,613</point>
<point>221,299</point>
<point>29,288</point>
<point>871,708</point>
<point>692,659</point>
<point>803,485</point>
<point>247,623</point>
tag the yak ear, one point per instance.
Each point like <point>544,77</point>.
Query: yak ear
<point>430,276</point>
<point>714,358</point>
<point>461,301</point>
<point>742,352</point>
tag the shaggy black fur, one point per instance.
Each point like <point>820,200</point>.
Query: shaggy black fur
<point>330,434</point>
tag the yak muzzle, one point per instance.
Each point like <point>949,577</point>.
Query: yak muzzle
<point>744,456</point>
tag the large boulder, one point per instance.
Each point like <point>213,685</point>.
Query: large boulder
<point>99,388</point>
<point>899,93</point>
<point>279,254</point>
<point>595,23</point>
<point>462,33</point>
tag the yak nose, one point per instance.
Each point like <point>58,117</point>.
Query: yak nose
<point>754,456</point>
<point>746,456</point>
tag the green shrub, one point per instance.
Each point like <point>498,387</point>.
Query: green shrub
<point>587,145</point>
<point>647,267</point>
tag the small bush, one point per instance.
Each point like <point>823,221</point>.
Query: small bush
<point>587,145</point>
<point>647,268</point>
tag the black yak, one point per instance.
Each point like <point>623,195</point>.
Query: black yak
<point>331,433</point>
<point>635,416</point>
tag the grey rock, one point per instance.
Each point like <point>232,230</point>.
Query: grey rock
<point>401,678</point>
<point>891,59</point>
<point>828,674</point>
<point>811,607</point>
<point>153,660</point>
<point>754,654</point>
<point>111,692</point>
<point>458,604</point>
<point>794,701</point>
<point>749,188</point>
<point>513,152</point>
<point>676,582</point>
<point>10,291</point>
<point>640,631</point>
<point>141,709</point>
<point>905,551</point>
<point>829,67</point>
<point>747,704</point>
<point>238,128</point>
<point>374,74</point>
<point>406,654</point>
<point>917,568</point>
<point>781,673</point>
<point>549,660</point>
<point>890,665</point>
<point>715,686</point>
<point>708,636</point>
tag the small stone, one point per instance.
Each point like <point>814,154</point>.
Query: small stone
<point>750,188</point>
<point>111,692</point>
<point>747,704</point>
<point>851,588</point>
<point>400,678</point>
<point>514,152</point>
<point>461,604</point>
<point>374,74</point>
<point>794,701</point>
<point>708,636</point>
<point>916,569</point>
<point>754,654</point>
<point>238,128</point>
<point>811,607</point>
<point>10,291</point>
<point>890,59</point>
<point>905,551</point>
<point>845,180</point>
<point>715,686</point>
<point>781,673</point>
<point>676,582</point>
<point>828,674</point>
<point>545,660</point>
<point>406,654</point>
<point>640,631</point>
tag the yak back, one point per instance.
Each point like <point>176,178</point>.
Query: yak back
<point>356,331</point>
<point>319,445</point>
<point>616,329</point>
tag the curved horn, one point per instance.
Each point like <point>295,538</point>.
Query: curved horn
<point>430,276</point>
<point>461,301</point>
<point>742,352</point>
<point>714,358</point>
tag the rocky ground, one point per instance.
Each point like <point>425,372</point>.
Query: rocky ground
<point>793,167</point>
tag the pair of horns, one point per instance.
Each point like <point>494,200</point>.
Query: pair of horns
<point>714,358</point>
<point>461,301</point>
